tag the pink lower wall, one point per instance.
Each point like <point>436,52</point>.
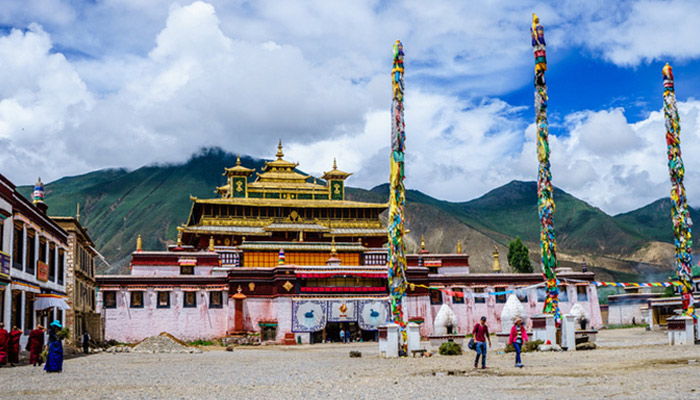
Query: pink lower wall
<point>129,325</point>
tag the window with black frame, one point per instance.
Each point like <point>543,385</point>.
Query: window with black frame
<point>478,295</point>
<point>500,298</point>
<point>435,297</point>
<point>216,299</point>
<point>190,300</point>
<point>582,293</point>
<point>163,300</point>
<point>458,299</point>
<point>563,294</point>
<point>136,299</point>
<point>109,299</point>
<point>186,270</point>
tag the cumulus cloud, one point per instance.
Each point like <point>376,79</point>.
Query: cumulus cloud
<point>127,83</point>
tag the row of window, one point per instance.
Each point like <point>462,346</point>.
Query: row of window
<point>189,300</point>
<point>581,295</point>
<point>213,210</point>
<point>47,254</point>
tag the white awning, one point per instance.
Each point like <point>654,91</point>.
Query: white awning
<point>42,303</point>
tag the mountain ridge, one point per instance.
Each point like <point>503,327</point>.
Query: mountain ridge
<point>117,204</point>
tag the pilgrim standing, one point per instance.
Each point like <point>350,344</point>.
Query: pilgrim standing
<point>13,346</point>
<point>35,345</point>
<point>54,361</point>
<point>481,335</point>
<point>517,337</point>
<point>86,342</point>
<point>4,344</point>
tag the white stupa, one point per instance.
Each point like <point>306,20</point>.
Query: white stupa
<point>445,318</point>
<point>578,312</point>
<point>511,310</point>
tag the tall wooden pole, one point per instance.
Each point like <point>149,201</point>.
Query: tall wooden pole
<point>679,207</point>
<point>545,191</point>
<point>397,197</point>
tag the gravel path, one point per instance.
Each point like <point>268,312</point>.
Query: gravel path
<point>325,371</point>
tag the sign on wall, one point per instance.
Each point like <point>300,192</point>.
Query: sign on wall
<point>342,311</point>
<point>4,264</point>
<point>42,271</point>
<point>308,315</point>
<point>373,313</point>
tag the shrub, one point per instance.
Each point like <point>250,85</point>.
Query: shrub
<point>200,342</point>
<point>527,347</point>
<point>450,349</point>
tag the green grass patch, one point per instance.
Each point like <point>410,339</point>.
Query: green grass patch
<point>201,342</point>
<point>626,326</point>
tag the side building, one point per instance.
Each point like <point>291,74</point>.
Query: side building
<point>81,287</point>
<point>37,256</point>
<point>289,257</point>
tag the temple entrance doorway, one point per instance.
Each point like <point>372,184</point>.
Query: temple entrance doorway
<point>331,333</point>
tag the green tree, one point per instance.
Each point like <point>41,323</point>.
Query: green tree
<point>519,256</point>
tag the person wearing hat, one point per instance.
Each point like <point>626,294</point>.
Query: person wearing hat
<point>35,345</point>
<point>517,337</point>
<point>54,360</point>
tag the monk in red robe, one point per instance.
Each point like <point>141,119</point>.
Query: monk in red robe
<point>35,345</point>
<point>4,342</point>
<point>13,346</point>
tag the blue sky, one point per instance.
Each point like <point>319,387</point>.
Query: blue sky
<point>124,83</point>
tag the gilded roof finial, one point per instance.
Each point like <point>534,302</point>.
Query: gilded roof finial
<point>459,247</point>
<point>77,213</point>
<point>335,166</point>
<point>496,262</point>
<point>333,249</point>
<point>279,154</point>
<point>139,243</point>
<point>211,243</point>
<point>238,160</point>
<point>422,243</point>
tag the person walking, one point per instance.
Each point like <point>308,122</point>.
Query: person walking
<point>481,335</point>
<point>86,342</point>
<point>517,337</point>
<point>342,335</point>
<point>4,344</point>
<point>35,345</point>
<point>54,361</point>
<point>13,345</point>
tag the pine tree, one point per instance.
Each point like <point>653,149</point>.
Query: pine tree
<point>519,256</point>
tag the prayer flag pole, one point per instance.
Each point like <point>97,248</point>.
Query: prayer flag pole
<point>545,191</point>
<point>679,208</point>
<point>397,198</point>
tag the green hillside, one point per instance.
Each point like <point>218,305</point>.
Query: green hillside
<point>117,205</point>
<point>653,220</point>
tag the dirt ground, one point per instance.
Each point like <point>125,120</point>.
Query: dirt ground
<point>629,363</point>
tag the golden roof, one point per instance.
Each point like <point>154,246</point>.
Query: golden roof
<point>238,169</point>
<point>251,201</point>
<point>335,173</point>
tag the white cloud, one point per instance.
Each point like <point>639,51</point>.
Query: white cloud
<point>151,81</point>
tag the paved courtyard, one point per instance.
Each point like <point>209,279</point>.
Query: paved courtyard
<point>629,363</point>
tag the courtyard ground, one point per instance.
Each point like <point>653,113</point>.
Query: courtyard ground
<point>629,363</point>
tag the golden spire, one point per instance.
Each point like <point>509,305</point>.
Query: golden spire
<point>422,243</point>
<point>238,160</point>
<point>496,262</point>
<point>279,154</point>
<point>459,247</point>
<point>211,243</point>
<point>333,250</point>
<point>335,166</point>
<point>77,213</point>
<point>301,236</point>
<point>139,243</point>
